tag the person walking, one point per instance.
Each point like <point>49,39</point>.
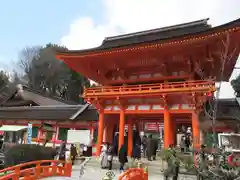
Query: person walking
<point>182,144</point>
<point>136,153</point>
<point>155,147</point>
<point>115,143</point>
<point>122,157</point>
<point>104,157</point>
<point>149,145</point>
<point>110,153</point>
<point>144,145</point>
<point>73,154</point>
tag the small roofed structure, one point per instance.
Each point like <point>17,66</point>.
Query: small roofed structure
<point>20,105</point>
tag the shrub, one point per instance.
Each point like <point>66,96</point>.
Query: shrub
<point>23,153</point>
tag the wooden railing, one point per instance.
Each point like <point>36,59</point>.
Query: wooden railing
<point>37,170</point>
<point>134,174</point>
<point>150,89</point>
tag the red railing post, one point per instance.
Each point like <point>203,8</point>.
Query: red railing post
<point>54,168</point>
<point>68,169</point>
<point>16,173</point>
<point>37,170</point>
<point>145,175</point>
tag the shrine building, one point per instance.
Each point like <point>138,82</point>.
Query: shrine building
<point>20,105</point>
<point>161,75</point>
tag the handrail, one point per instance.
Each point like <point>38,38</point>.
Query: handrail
<point>201,85</point>
<point>134,174</point>
<point>39,171</point>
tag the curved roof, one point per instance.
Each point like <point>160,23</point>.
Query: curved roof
<point>130,53</point>
<point>58,113</point>
<point>194,28</point>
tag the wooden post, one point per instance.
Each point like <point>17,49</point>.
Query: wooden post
<point>100,131</point>
<point>55,135</point>
<point>195,130</point>
<point>167,129</point>
<point>130,137</point>
<point>17,173</point>
<point>68,169</point>
<point>37,170</point>
<point>121,128</point>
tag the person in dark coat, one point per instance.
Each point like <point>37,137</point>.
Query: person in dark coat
<point>122,157</point>
<point>149,144</point>
<point>115,143</point>
<point>73,151</point>
<point>62,151</point>
<point>137,138</point>
<point>144,145</point>
<point>155,147</point>
<point>136,153</point>
<point>187,142</point>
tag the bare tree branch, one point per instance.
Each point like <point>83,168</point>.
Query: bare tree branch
<point>26,57</point>
<point>224,56</point>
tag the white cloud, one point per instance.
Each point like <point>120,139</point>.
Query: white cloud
<point>125,16</point>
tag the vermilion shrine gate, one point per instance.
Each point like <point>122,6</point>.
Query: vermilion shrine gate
<point>163,74</point>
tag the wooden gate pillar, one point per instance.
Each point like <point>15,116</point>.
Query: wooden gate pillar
<point>195,130</point>
<point>121,128</point>
<point>100,131</point>
<point>130,136</point>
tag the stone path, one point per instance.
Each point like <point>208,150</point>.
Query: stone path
<point>92,171</point>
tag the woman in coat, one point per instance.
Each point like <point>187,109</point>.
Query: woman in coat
<point>122,157</point>
<point>150,147</point>
<point>104,156</point>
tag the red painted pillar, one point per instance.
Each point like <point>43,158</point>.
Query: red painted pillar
<point>100,131</point>
<point>55,135</point>
<point>195,130</point>
<point>130,137</point>
<point>168,130</point>
<point>121,128</point>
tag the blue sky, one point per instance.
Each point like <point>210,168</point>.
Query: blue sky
<point>27,22</point>
<point>80,24</point>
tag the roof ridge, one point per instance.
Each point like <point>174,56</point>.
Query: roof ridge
<point>166,28</point>
<point>46,95</point>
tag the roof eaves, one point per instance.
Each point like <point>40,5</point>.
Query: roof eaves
<point>80,111</point>
<point>50,108</point>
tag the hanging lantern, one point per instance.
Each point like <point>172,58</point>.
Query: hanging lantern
<point>209,94</point>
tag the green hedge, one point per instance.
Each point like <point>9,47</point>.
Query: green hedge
<point>23,153</point>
